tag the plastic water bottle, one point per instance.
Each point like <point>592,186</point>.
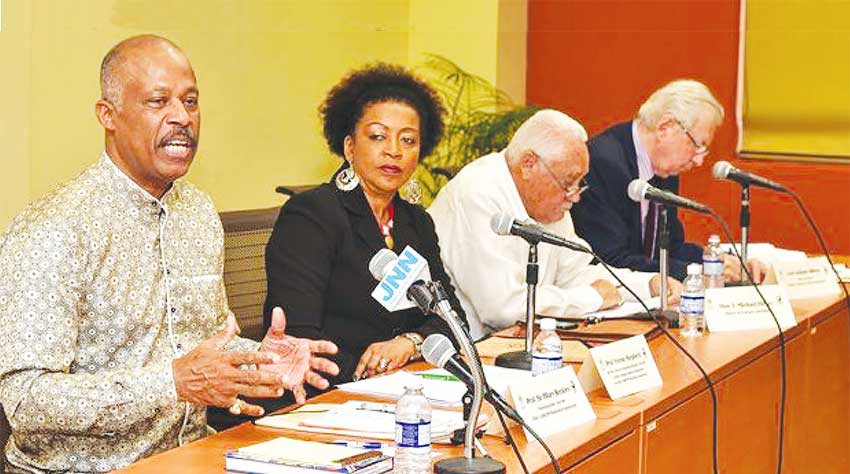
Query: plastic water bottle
<point>712,263</point>
<point>692,304</point>
<point>412,431</point>
<point>546,352</point>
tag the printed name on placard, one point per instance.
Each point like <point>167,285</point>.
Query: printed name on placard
<point>626,366</point>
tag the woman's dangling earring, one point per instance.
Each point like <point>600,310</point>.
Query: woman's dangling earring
<point>411,191</point>
<point>347,179</point>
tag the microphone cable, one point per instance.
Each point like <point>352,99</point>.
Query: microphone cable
<point>822,244</point>
<point>552,458</point>
<point>782,363</point>
<point>511,441</point>
<point>437,293</point>
<point>676,343</point>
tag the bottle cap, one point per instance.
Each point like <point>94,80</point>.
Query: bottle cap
<point>714,239</point>
<point>547,324</point>
<point>694,269</point>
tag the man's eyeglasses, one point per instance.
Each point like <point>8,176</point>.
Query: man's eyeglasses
<point>571,191</point>
<point>698,148</point>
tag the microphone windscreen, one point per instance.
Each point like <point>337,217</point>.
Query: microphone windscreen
<point>437,349</point>
<point>381,263</point>
<point>501,224</point>
<point>637,189</point>
<point>721,169</point>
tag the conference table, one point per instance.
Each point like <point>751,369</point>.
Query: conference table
<point>668,429</point>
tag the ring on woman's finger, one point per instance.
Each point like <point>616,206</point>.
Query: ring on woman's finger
<point>236,408</point>
<point>382,365</point>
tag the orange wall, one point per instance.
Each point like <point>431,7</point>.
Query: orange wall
<point>598,60</point>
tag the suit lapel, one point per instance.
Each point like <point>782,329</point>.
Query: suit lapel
<point>362,221</point>
<point>404,229</point>
<point>628,143</point>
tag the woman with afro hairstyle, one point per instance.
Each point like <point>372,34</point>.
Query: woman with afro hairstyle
<point>380,119</point>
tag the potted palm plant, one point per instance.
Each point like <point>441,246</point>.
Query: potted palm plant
<point>480,119</point>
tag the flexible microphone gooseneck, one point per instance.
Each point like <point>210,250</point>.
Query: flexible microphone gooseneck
<point>432,298</point>
<point>724,170</point>
<point>438,351</point>
<point>661,326</point>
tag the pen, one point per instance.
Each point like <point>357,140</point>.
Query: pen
<point>376,407</point>
<point>450,378</point>
<point>360,444</point>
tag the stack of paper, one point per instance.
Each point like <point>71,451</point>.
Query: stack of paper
<point>627,309</point>
<point>768,253</point>
<point>439,386</point>
<point>363,419</point>
<point>286,455</point>
<point>439,392</point>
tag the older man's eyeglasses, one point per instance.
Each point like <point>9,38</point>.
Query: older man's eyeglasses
<point>571,191</point>
<point>699,149</point>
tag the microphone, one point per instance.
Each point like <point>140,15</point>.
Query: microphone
<point>504,224</point>
<point>402,282</point>
<point>382,262</point>
<point>724,170</point>
<point>408,275</point>
<point>640,190</point>
<point>438,351</point>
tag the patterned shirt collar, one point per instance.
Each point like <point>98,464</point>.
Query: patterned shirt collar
<point>124,185</point>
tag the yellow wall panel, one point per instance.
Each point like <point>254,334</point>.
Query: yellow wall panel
<point>263,67</point>
<point>797,78</point>
<point>14,111</point>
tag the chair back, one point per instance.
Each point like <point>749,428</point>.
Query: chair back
<point>245,236</point>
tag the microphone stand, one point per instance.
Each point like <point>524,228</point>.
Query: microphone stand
<point>745,226</point>
<point>438,303</point>
<point>664,266</point>
<point>522,359</point>
<point>745,235</point>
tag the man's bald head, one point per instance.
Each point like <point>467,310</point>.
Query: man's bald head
<point>547,158</point>
<point>113,66</point>
<point>150,111</point>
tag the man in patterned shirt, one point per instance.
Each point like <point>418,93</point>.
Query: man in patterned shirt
<point>115,332</point>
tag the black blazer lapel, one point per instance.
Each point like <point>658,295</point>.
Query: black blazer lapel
<point>362,221</point>
<point>405,229</point>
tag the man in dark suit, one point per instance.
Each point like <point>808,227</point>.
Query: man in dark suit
<point>671,135</point>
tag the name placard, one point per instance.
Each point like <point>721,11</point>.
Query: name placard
<point>551,402</point>
<point>626,366</point>
<point>810,278</point>
<point>741,309</point>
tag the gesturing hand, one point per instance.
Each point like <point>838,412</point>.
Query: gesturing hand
<point>297,362</point>
<point>211,376</point>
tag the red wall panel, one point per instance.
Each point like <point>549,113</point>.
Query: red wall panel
<point>599,60</point>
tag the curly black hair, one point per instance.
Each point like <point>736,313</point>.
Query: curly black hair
<point>381,82</point>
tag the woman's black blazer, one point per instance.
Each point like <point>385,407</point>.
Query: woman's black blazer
<point>317,262</point>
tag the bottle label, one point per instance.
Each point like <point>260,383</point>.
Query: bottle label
<point>412,435</point>
<point>544,362</point>
<point>712,267</point>
<point>692,304</point>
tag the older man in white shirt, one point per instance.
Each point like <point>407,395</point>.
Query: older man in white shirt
<point>537,178</point>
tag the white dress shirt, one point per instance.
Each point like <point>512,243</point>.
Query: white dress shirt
<point>488,270</point>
